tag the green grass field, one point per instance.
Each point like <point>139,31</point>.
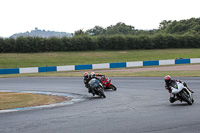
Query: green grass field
<point>20,60</point>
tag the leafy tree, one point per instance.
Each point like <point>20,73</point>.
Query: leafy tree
<point>79,32</point>
<point>120,28</point>
<point>191,26</point>
<point>97,30</point>
<point>164,24</point>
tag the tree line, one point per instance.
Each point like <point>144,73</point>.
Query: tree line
<point>189,26</point>
<point>171,34</point>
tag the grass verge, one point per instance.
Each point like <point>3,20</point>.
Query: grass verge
<point>20,60</point>
<point>184,73</point>
<point>10,100</point>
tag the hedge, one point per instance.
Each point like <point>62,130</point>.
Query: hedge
<point>86,42</point>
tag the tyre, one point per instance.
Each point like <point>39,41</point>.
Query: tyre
<point>192,100</point>
<point>186,98</point>
<point>102,93</point>
<point>113,87</point>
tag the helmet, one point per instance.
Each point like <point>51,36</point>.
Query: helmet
<point>86,75</point>
<point>93,74</point>
<point>168,79</point>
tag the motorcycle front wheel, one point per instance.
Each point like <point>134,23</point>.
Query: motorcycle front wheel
<point>113,87</point>
<point>102,93</point>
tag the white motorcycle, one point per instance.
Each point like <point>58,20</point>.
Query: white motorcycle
<point>182,93</point>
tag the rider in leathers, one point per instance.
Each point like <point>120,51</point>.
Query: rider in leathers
<point>87,78</point>
<point>172,84</point>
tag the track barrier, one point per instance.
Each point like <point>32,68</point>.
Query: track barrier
<point>99,66</point>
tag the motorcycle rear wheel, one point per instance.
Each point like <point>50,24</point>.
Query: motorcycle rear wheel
<point>192,100</point>
<point>185,98</point>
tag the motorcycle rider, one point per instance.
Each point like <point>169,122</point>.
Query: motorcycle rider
<point>94,75</point>
<point>170,84</point>
<point>87,78</point>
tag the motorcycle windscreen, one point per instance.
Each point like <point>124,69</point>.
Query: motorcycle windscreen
<point>94,83</point>
<point>175,85</point>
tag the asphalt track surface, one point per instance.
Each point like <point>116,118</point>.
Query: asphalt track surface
<point>140,105</point>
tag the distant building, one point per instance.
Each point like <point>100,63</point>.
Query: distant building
<point>42,33</point>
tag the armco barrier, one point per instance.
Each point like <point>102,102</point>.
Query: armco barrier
<point>28,70</point>
<point>99,66</point>
<point>65,68</point>
<point>9,71</point>
<point>182,61</point>
<point>134,64</point>
<point>47,69</point>
<point>195,60</point>
<point>83,67</point>
<point>151,63</point>
<point>166,62</point>
<point>118,65</point>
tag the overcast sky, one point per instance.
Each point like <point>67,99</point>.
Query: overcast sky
<point>70,15</point>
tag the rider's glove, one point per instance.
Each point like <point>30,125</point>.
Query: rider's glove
<point>170,89</point>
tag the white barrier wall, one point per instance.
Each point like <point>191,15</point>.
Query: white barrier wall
<point>134,64</point>
<point>28,70</point>
<point>100,66</point>
<point>195,60</point>
<point>166,62</point>
<point>65,68</point>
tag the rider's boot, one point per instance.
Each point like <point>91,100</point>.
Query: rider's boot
<point>89,91</point>
<point>93,94</point>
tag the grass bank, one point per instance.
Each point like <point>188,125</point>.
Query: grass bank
<point>10,100</point>
<point>126,73</point>
<point>19,60</point>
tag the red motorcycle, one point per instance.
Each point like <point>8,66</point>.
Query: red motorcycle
<point>107,83</point>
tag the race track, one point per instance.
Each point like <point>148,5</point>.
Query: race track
<point>140,105</point>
